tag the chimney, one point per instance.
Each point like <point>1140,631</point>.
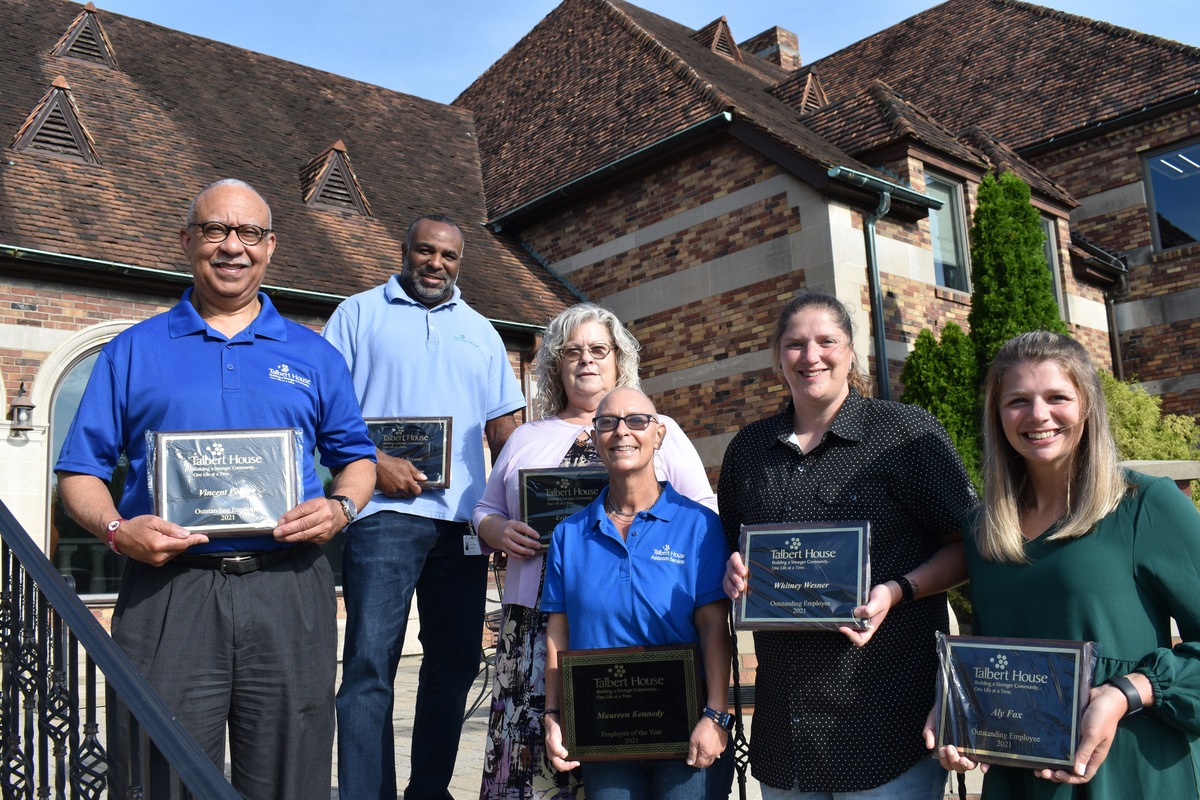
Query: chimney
<point>777,45</point>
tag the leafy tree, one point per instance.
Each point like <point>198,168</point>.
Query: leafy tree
<point>943,378</point>
<point>1012,291</point>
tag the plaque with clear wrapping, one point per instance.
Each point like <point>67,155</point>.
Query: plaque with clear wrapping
<point>629,702</point>
<point>425,441</point>
<point>1017,702</point>
<point>225,483</point>
<point>804,575</point>
<point>548,496</point>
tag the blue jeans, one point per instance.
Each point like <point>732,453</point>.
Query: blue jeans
<point>387,555</point>
<point>924,781</point>
<point>666,779</point>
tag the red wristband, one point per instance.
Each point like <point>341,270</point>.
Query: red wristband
<point>112,532</point>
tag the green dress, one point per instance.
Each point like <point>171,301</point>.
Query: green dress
<point>1118,585</point>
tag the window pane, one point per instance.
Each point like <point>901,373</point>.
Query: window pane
<point>73,551</point>
<point>1175,183</point>
<point>1048,249</point>
<point>945,229</point>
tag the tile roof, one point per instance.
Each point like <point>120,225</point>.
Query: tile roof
<point>1023,72</point>
<point>877,116</point>
<point>183,111</point>
<point>598,80</point>
<point>1006,160</point>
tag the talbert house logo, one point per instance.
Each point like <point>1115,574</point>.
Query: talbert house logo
<point>283,373</point>
<point>997,670</point>
<point>214,455</point>
<point>665,553</point>
<point>795,550</point>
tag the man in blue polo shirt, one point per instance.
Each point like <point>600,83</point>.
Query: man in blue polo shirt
<point>238,632</point>
<point>416,349</point>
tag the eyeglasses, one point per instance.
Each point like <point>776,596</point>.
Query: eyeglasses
<point>598,352</point>
<point>216,232</point>
<point>635,422</point>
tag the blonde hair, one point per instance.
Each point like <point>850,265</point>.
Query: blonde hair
<point>841,317</point>
<point>1096,482</point>
<point>549,396</point>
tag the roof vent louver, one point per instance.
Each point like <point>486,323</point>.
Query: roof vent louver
<point>55,125</point>
<point>802,91</point>
<point>717,37</point>
<point>328,181</point>
<point>85,40</point>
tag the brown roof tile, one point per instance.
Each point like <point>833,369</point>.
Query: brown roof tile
<point>184,111</point>
<point>1005,160</point>
<point>598,80</point>
<point>1023,72</point>
<point>877,116</point>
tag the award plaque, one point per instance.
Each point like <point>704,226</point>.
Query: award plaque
<point>629,702</point>
<point>1017,702</point>
<point>425,441</point>
<point>225,483</point>
<point>810,575</point>
<point>548,496</point>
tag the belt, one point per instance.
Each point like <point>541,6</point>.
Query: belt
<point>236,563</point>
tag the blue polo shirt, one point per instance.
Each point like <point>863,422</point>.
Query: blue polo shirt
<point>642,591</point>
<point>173,372</point>
<point>411,361</point>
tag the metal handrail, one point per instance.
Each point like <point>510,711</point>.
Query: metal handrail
<point>176,746</point>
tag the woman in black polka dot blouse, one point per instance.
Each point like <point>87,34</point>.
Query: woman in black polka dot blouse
<point>840,714</point>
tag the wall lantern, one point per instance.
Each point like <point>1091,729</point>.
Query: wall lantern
<point>20,411</point>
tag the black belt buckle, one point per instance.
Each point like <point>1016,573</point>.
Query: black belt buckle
<point>240,565</point>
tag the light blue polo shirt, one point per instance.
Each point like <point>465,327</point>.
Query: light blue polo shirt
<point>411,361</point>
<point>642,591</point>
<point>173,372</point>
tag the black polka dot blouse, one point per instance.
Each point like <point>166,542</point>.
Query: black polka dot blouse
<point>830,716</point>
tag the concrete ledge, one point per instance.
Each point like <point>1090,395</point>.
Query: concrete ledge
<point>1175,470</point>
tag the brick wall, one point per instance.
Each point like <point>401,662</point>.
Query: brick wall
<point>1111,161</point>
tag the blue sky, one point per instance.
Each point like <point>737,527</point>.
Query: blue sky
<point>434,49</point>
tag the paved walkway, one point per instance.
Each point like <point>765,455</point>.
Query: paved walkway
<point>469,767</point>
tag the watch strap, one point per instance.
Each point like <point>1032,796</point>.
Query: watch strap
<point>348,507</point>
<point>723,719</point>
<point>1132,695</point>
<point>906,589</point>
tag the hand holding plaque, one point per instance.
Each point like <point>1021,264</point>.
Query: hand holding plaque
<point>1017,702</point>
<point>425,441</point>
<point>225,483</point>
<point>629,702</point>
<point>804,576</point>
<point>548,496</point>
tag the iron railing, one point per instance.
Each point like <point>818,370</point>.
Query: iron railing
<point>51,646</point>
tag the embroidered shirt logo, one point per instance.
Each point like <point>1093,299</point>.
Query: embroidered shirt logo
<point>283,373</point>
<point>462,337</point>
<point>665,553</point>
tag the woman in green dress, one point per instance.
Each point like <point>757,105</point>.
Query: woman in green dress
<point>1067,545</point>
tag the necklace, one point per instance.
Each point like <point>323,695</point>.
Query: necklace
<point>630,514</point>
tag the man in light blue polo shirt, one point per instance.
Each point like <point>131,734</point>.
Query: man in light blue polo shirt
<point>415,349</point>
<point>238,631</point>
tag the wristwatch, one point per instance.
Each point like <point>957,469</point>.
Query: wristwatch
<point>906,589</point>
<point>348,507</point>
<point>1132,695</point>
<point>725,720</point>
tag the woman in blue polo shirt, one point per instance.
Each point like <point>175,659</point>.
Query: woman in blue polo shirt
<point>640,566</point>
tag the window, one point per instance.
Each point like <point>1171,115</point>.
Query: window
<point>1050,249</point>
<point>946,228</point>
<point>1174,196</point>
<point>74,552</point>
